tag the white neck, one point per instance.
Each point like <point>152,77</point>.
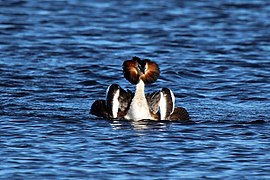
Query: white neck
<point>139,108</point>
<point>139,93</point>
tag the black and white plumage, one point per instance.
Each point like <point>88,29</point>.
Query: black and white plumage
<point>121,104</point>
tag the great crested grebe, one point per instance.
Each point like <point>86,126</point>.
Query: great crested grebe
<point>121,104</point>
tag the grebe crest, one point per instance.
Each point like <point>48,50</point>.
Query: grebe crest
<point>136,69</point>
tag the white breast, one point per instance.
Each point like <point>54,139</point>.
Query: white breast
<point>139,108</point>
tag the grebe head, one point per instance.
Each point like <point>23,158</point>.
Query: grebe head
<point>136,69</point>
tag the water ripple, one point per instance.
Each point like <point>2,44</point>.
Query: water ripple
<point>57,57</point>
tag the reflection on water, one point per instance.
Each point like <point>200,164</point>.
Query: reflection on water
<point>57,57</point>
<point>138,125</point>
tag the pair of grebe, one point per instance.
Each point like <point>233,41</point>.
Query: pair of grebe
<point>121,104</point>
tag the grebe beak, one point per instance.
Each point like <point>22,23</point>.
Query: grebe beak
<point>141,69</point>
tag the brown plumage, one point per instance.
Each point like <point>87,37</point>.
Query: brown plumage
<point>130,70</point>
<point>137,69</point>
<point>151,73</point>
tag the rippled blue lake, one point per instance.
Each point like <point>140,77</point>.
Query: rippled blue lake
<point>58,57</point>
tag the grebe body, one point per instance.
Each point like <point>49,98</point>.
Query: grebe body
<point>121,104</point>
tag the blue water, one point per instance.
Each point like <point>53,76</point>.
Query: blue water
<point>57,57</point>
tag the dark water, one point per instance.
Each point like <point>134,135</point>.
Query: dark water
<point>57,57</point>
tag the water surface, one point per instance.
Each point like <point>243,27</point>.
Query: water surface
<point>57,57</point>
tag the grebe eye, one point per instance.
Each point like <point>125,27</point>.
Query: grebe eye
<point>141,68</point>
